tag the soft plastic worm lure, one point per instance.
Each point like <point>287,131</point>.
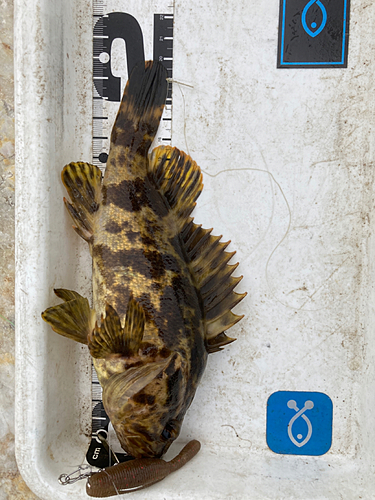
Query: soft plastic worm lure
<point>137,474</point>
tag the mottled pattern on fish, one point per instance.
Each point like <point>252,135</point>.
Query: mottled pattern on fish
<point>162,286</point>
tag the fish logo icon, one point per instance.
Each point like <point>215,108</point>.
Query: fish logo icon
<point>299,423</point>
<point>313,29</point>
<point>300,413</point>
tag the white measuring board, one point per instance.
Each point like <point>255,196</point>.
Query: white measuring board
<point>287,162</point>
<point>124,33</point>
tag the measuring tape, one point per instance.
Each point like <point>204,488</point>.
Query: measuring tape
<point>124,33</point>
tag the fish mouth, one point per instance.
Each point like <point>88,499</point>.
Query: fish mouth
<point>142,446</point>
<point>143,404</point>
<point>140,443</point>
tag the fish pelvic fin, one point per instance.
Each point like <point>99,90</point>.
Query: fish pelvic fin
<point>213,275</point>
<point>111,338</point>
<point>73,318</point>
<point>83,183</point>
<point>141,108</point>
<point>178,178</point>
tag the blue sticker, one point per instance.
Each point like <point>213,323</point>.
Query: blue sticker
<point>313,34</point>
<point>299,423</point>
<point>313,24</point>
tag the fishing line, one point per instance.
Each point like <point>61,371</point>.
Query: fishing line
<point>272,179</point>
<point>112,481</point>
<point>236,433</point>
<point>8,320</point>
<point>289,219</point>
<point>184,110</point>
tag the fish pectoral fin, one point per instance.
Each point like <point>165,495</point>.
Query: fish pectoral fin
<point>111,338</point>
<point>209,265</point>
<point>178,178</point>
<point>83,183</point>
<point>73,318</point>
<point>122,386</point>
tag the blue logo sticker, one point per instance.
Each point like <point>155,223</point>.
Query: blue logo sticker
<point>299,423</point>
<point>314,32</point>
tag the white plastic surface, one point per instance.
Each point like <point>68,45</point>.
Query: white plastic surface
<point>288,159</point>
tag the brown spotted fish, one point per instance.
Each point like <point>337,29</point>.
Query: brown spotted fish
<point>162,286</point>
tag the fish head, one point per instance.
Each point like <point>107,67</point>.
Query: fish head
<point>146,405</point>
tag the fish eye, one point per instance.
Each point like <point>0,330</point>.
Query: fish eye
<point>166,433</point>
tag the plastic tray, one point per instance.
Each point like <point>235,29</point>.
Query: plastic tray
<point>288,162</point>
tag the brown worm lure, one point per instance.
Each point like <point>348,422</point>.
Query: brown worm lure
<point>137,474</point>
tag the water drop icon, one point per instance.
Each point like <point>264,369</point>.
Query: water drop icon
<point>300,413</point>
<point>313,25</point>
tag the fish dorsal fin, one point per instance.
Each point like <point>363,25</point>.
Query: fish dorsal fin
<point>83,183</point>
<point>73,318</point>
<point>213,275</point>
<point>178,178</point>
<point>111,338</point>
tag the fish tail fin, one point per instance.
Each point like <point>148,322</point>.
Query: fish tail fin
<point>141,107</point>
<point>73,318</point>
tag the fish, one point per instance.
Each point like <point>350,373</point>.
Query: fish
<point>163,289</point>
<point>137,474</point>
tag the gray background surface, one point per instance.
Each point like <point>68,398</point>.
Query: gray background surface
<point>12,485</point>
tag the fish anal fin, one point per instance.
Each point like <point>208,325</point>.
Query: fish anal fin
<point>213,275</point>
<point>83,183</point>
<point>110,337</point>
<point>73,318</point>
<point>178,178</point>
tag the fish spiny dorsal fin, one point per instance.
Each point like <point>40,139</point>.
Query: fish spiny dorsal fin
<point>83,183</point>
<point>73,319</point>
<point>111,338</point>
<point>141,107</point>
<point>212,273</point>
<point>178,178</point>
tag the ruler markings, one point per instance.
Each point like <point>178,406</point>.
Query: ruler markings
<point>103,111</point>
